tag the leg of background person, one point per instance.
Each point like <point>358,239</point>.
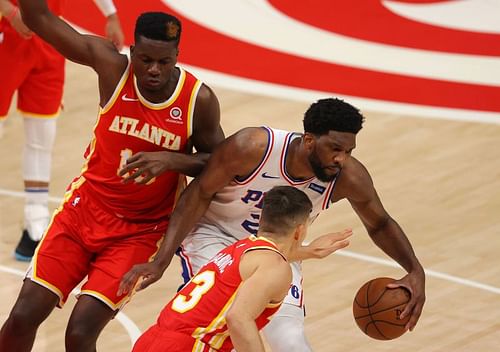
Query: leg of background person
<point>33,306</point>
<point>285,332</point>
<point>88,319</point>
<point>39,141</point>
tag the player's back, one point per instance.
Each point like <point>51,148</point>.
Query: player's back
<point>200,308</point>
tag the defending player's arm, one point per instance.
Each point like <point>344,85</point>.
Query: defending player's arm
<point>385,233</point>
<point>84,49</point>
<point>266,279</point>
<point>207,134</point>
<point>236,156</point>
<point>322,246</point>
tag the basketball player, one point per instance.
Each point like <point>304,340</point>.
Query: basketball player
<point>35,70</point>
<point>225,202</point>
<point>105,226</point>
<point>235,294</point>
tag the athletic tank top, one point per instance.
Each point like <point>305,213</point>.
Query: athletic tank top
<point>235,209</point>
<point>129,124</point>
<point>200,308</point>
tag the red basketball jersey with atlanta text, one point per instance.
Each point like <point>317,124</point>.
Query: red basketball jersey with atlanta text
<point>200,308</point>
<point>129,124</point>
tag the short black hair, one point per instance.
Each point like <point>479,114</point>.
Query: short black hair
<point>332,114</point>
<point>158,26</point>
<point>284,208</point>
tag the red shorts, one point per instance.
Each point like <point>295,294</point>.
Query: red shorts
<point>157,340</point>
<point>34,69</point>
<point>83,239</point>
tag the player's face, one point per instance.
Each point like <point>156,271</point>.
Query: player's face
<point>153,62</point>
<point>329,152</point>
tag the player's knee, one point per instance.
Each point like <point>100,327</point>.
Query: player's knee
<point>40,134</point>
<point>79,333</point>
<point>39,141</point>
<point>21,320</point>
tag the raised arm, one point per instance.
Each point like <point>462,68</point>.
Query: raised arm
<point>83,49</point>
<point>356,185</point>
<point>207,134</point>
<point>236,156</point>
<point>266,279</point>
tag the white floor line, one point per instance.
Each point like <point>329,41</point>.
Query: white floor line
<point>132,329</point>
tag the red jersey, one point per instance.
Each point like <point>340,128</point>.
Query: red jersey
<point>199,309</point>
<point>129,124</point>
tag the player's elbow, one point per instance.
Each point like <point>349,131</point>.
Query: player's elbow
<point>236,321</point>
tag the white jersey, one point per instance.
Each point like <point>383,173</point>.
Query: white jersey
<point>235,210</point>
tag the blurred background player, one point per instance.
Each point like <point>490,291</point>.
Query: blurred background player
<point>35,70</point>
<point>235,294</point>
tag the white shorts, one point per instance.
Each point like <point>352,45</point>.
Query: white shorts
<point>205,241</point>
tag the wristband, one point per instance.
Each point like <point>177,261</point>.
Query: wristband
<point>106,7</point>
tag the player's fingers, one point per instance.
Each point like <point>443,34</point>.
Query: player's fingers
<point>417,310</point>
<point>145,179</point>
<point>146,282</point>
<point>127,282</point>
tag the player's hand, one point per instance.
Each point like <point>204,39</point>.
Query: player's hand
<point>415,283</point>
<point>20,27</point>
<point>325,245</point>
<point>144,166</point>
<point>114,31</point>
<point>322,246</point>
<point>150,273</point>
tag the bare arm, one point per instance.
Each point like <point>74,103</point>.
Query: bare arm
<point>207,134</point>
<point>87,50</point>
<point>266,279</point>
<point>356,185</point>
<point>236,156</point>
<point>113,27</point>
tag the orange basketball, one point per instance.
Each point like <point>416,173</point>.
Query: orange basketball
<point>377,308</point>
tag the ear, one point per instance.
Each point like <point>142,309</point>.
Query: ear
<point>309,141</point>
<point>299,231</point>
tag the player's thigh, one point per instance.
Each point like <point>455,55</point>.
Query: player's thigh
<point>198,248</point>
<point>41,92</point>
<point>113,261</point>
<point>15,63</point>
<point>60,262</point>
<point>285,332</point>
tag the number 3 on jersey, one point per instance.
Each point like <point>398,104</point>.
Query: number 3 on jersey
<point>204,282</point>
<point>125,154</point>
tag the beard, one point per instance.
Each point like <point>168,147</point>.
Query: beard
<point>320,171</point>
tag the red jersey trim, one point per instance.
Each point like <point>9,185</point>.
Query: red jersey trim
<point>169,101</point>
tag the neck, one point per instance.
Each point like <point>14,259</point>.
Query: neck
<point>283,244</point>
<point>297,163</point>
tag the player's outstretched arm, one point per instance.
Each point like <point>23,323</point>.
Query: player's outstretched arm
<point>238,155</point>
<point>356,185</point>
<point>83,49</point>
<point>207,134</point>
<point>322,246</point>
<point>266,279</point>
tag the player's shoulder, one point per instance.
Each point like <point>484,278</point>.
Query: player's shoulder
<point>250,140</point>
<point>268,258</point>
<point>354,181</point>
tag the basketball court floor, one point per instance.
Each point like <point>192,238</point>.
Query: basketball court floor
<point>431,142</point>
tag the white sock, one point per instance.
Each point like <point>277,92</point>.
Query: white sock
<point>36,212</point>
